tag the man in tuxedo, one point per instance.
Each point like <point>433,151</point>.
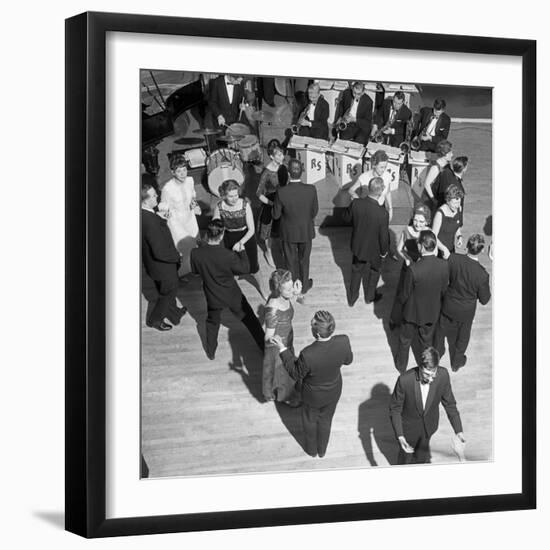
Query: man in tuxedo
<point>424,286</point>
<point>226,97</point>
<point>433,125</point>
<point>318,369</point>
<point>468,284</point>
<point>217,265</point>
<point>355,110</point>
<point>369,240</point>
<point>393,118</point>
<point>414,408</point>
<point>296,205</point>
<point>313,121</point>
<point>160,261</point>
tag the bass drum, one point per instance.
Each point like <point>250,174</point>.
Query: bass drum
<point>222,165</point>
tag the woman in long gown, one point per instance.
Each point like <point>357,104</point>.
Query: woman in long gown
<point>448,220</point>
<point>267,188</point>
<point>277,385</point>
<point>444,152</point>
<point>178,194</point>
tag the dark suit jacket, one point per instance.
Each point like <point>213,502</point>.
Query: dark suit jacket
<point>319,124</point>
<point>442,126</point>
<point>400,122</point>
<point>159,255</point>
<point>218,266</point>
<point>468,283</point>
<point>370,232</point>
<point>364,110</point>
<point>424,286</point>
<point>318,367</point>
<point>296,205</point>
<point>409,417</point>
<point>219,100</point>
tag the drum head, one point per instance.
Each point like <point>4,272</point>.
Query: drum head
<point>237,128</point>
<point>248,141</point>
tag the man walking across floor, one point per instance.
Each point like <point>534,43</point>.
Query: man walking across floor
<point>424,286</point>
<point>468,284</point>
<point>369,240</point>
<point>296,205</point>
<point>160,261</point>
<point>318,369</point>
<point>414,408</point>
<point>217,265</point>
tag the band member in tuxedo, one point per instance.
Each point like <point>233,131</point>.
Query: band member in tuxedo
<point>433,125</point>
<point>313,120</point>
<point>369,241</point>
<point>217,265</point>
<point>318,369</point>
<point>414,408</point>
<point>296,205</point>
<point>355,111</point>
<point>468,284</point>
<point>160,261</point>
<point>226,99</point>
<point>392,119</point>
<point>424,285</point>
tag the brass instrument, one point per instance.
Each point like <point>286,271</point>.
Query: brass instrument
<point>303,116</point>
<point>379,136</point>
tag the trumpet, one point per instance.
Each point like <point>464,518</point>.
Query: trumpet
<point>303,116</point>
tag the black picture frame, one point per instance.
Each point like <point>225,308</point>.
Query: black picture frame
<point>86,285</point>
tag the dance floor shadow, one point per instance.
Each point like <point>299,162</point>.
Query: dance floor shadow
<point>339,239</point>
<point>375,429</point>
<point>246,358</point>
<point>291,417</point>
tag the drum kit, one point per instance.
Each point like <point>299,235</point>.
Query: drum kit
<point>238,145</point>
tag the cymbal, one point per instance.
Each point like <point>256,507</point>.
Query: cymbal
<point>230,139</point>
<point>207,131</point>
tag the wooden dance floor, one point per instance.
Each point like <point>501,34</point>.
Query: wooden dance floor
<point>202,417</point>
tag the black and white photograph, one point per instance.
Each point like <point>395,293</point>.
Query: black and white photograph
<point>316,273</point>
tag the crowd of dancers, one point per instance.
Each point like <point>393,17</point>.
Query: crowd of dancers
<point>435,300</point>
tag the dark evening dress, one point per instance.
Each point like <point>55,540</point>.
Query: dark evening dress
<point>276,382</point>
<point>411,249</point>
<point>267,186</point>
<point>235,228</point>
<point>449,227</point>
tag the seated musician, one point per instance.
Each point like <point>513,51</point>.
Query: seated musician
<point>355,112</point>
<point>312,121</point>
<point>432,126</point>
<point>392,119</point>
<point>226,100</point>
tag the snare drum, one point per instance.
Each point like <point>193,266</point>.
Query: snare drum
<point>223,164</point>
<point>249,148</point>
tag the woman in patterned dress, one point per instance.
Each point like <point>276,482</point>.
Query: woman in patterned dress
<point>236,214</point>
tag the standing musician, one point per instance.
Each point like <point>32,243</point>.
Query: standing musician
<point>355,112</point>
<point>392,119</point>
<point>432,126</point>
<point>226,99</point>
<point>312,121</point>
